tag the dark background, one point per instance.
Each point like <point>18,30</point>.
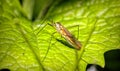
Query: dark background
<point>112,62</point>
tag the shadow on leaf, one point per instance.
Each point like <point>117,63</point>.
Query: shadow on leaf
<point>65,43</point>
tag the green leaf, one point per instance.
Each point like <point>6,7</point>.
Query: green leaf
<point>28,43</point>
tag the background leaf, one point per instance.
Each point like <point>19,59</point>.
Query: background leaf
<point>27,42</point>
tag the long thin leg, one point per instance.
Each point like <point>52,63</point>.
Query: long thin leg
<point>48,47</point>
<point>41,28</point>
<point>77,30</point>
<point>76,52</point>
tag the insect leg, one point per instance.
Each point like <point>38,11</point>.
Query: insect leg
<point>48,46</point>
<point>40,29</point>
<point>77,32</point>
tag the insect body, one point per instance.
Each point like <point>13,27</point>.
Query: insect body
<point>67,35</point>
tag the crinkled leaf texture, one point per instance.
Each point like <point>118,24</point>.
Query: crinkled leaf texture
<point>32,46</point>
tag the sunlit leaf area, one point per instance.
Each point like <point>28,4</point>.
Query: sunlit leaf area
<point>57,35</point>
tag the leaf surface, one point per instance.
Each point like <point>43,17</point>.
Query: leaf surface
<point>33,45</point>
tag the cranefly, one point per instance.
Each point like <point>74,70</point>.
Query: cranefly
<point>67,35</point>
